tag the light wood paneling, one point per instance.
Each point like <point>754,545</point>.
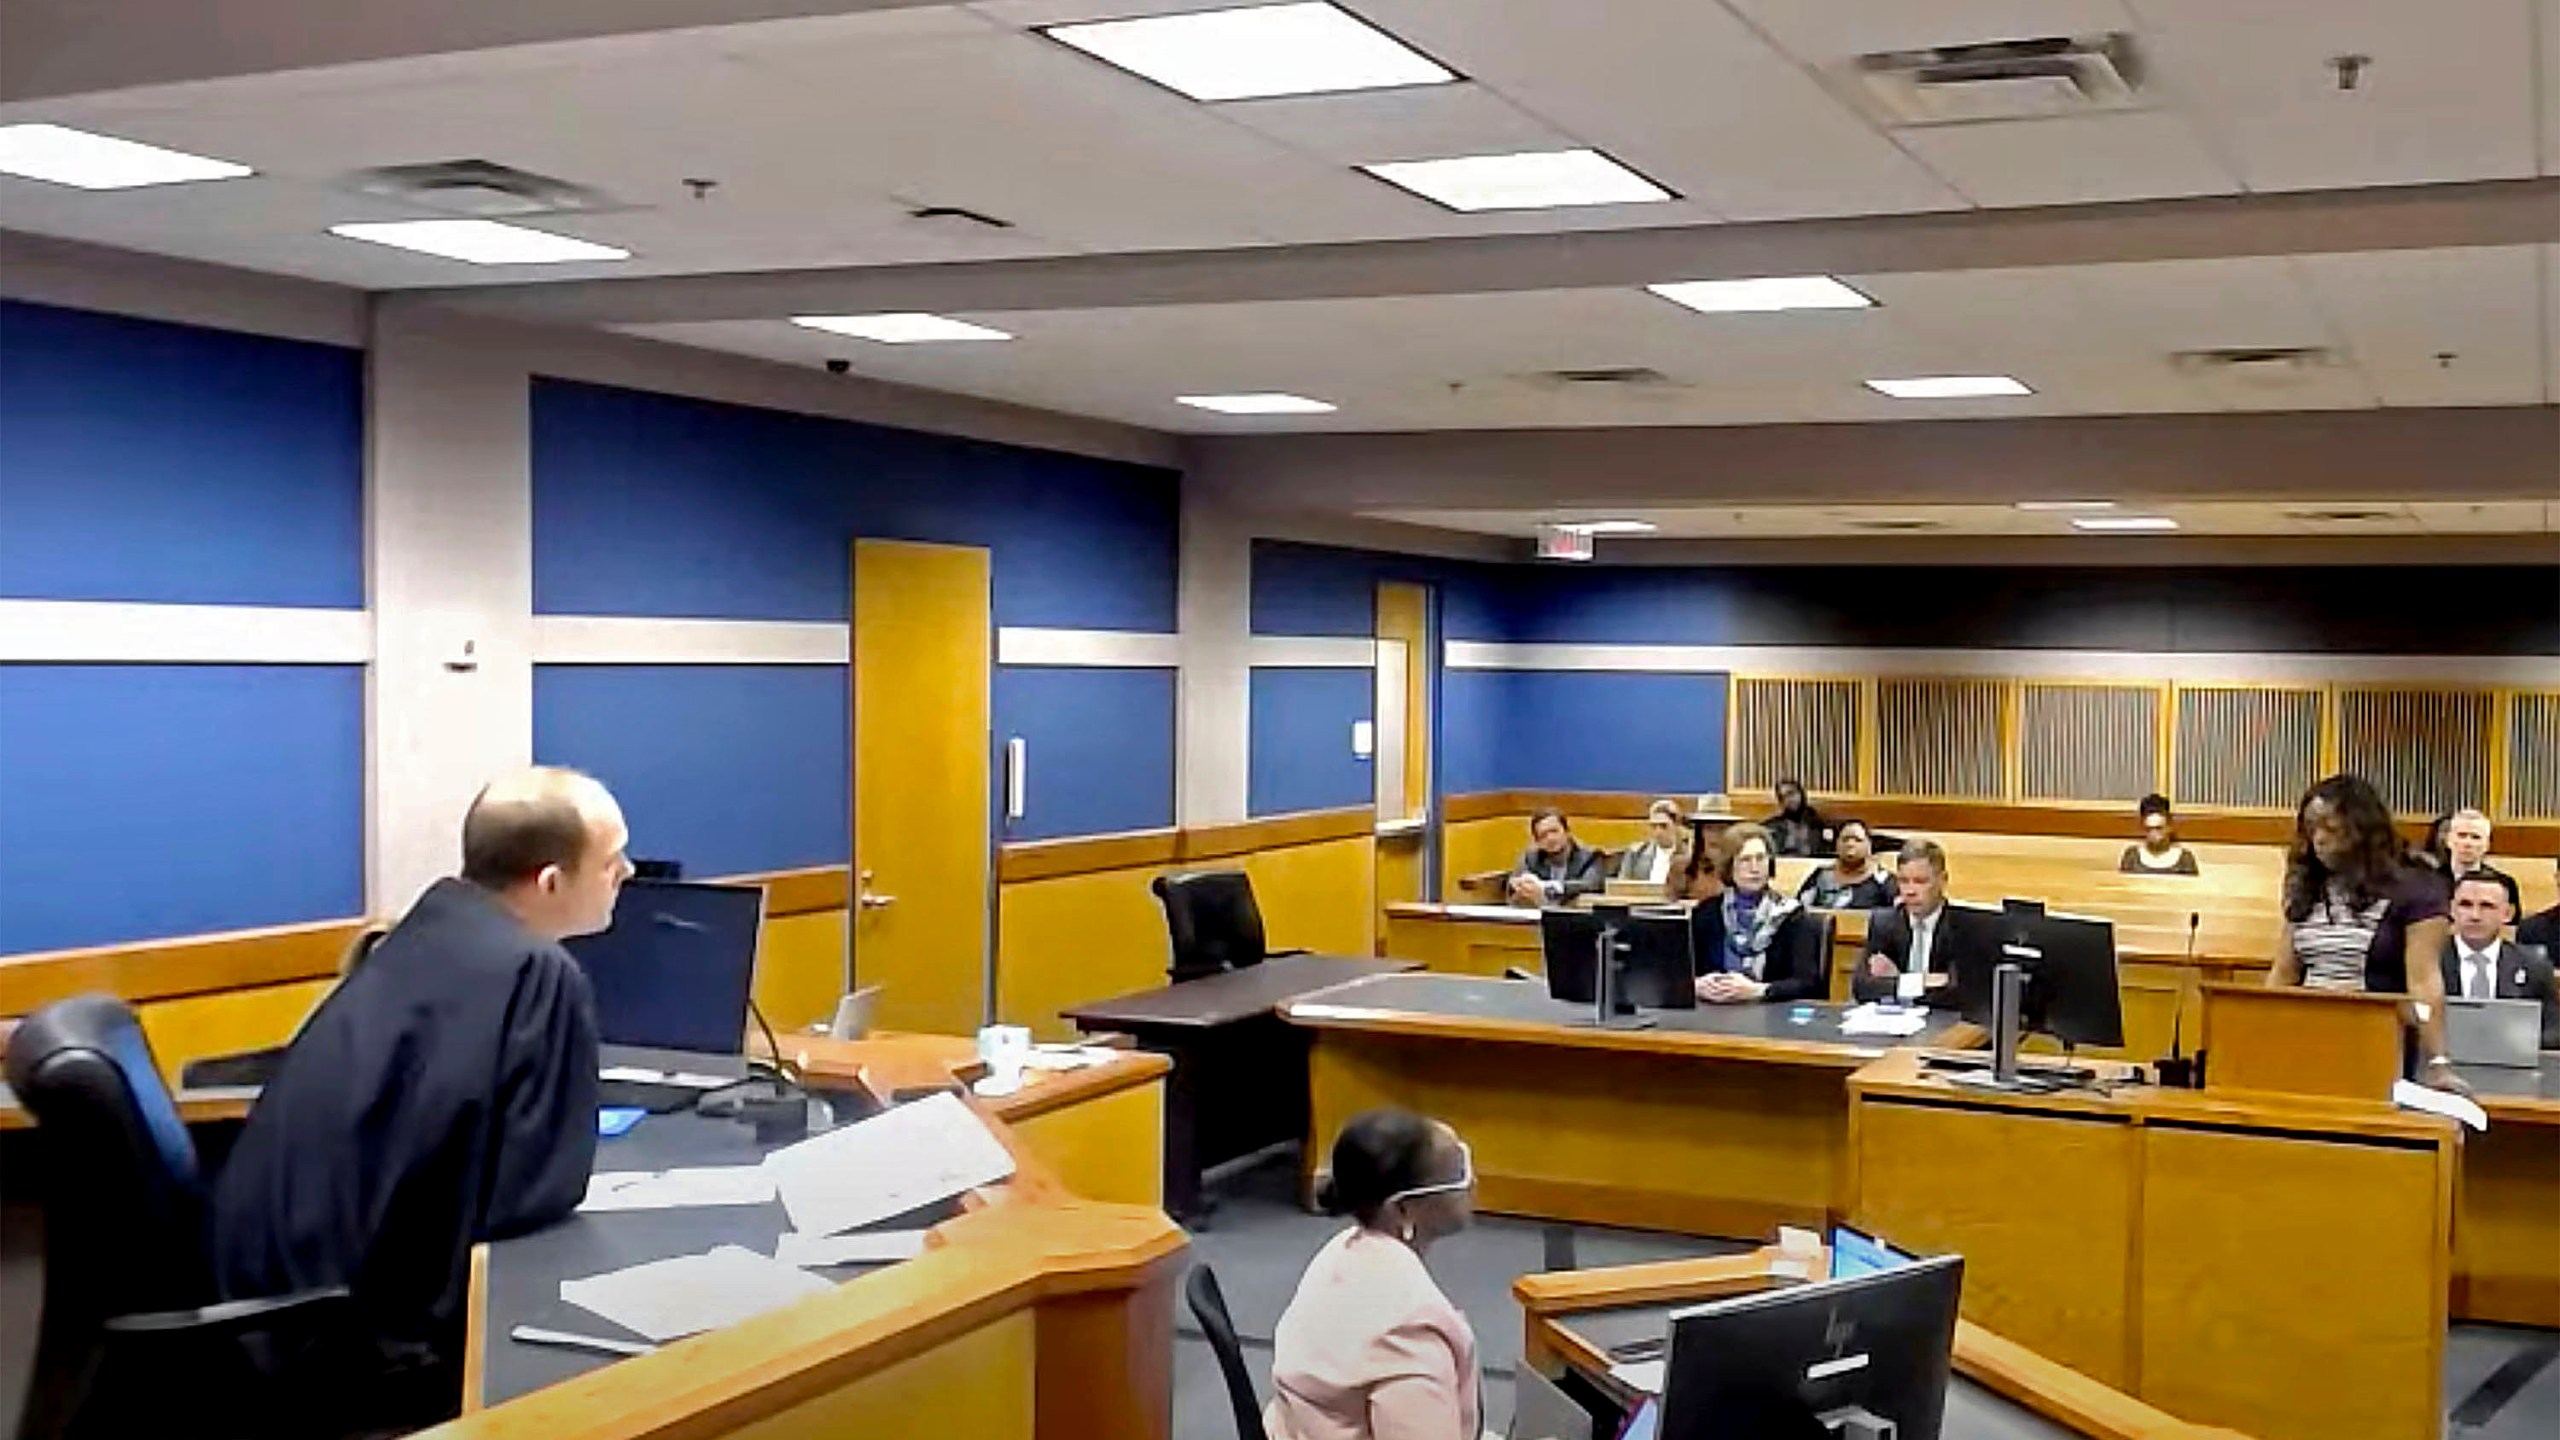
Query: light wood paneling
<point>2088,742</point>
<point>1247,837</point>
<point>980,1384</point>
<point>2246,746</point>
<point>800,968</point>
<point>2533,754</point>
<point>1783,727</point>
<point>2426,750</point>
<point>1944,738</point>
<point>1073,938</point>
<point>2507,1234</point>
<point>1318,896</point>
<point>2261,1256</point>
<point>187,965</point>
<point>1400,875</point>
<point>194,1027</point>
<point>1954,1181</point>
<point>1106,1148</point>
<point>1040,859</point>
<point>1456,945</point>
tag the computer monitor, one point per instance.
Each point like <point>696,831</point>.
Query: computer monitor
<point>674,971</point>
<point>2070,968</point>
<point>1654,968</point>
<point>1771,1365</point>
<point>1856,1253</point>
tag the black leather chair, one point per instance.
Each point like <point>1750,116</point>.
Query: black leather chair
<point>1209,1307</point>
<point>135,1340</point>
<point>1810,936</point>
<point>1214,924</point>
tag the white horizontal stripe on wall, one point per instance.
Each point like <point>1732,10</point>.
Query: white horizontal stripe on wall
<point>108,632</point>
<point>2200,667</point>
<point>1100,649</point>
<point>648,640</point>
<point>1312,652</point>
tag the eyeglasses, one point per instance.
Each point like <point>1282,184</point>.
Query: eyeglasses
<point>1466,1180</point>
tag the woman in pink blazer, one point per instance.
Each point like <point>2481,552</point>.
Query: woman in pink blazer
<point>1369,1349</point>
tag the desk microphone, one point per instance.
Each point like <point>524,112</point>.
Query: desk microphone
<point>2178,1072</point>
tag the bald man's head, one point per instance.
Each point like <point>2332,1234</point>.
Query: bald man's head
<point>548,842</point>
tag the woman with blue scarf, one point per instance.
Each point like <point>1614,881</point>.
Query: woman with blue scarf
<point>1747,939</point>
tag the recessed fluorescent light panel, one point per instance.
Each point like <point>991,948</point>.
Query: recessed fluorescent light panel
<point>1948,387</point>
<point>1256,52</point>
<point>2062,506</point>
<point>1262,403</point>
<point>1530,180</point>
<point>2125,522</point>
<point>64,156</point>
<point>1609,527</point>
<point>480,242</point>
<point>1776,292</point>
<point>900,329</point>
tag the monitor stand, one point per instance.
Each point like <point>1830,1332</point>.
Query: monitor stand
<point>1607,1013</point>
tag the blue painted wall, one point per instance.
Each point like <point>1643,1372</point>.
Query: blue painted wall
<point>143,801</point>
<point>1475,750</point>
<point>659,505</point>
<point>1299,754</point>
<point>729,768</point>
<point>146,461</point>
<point>1100,744</point>
<point>1301,589</point>
<point>1601,730</point>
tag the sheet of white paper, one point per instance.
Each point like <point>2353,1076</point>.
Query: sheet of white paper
<point>914,1155</point>
<point>1641,1375</point>
<point>1516,914</point>
<point>670,1299</point>
<point>1876,1020</point>
<point>2410,1096</point>
<point>1911,986</point>
<point>1068,1057</point>
<point>866,1247</point>
<point>640,1074</point>
<point>1793,1240</point>
<point>677,1189</point>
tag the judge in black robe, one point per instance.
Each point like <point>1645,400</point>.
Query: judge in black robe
<point>444,1094</point>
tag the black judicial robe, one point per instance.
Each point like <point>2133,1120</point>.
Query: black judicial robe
<point>444,1094</point>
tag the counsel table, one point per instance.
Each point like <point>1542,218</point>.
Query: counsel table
<point>2274,1263</point>
<point>2507,1231</point>
<point>1239,1079</point>
<point>1724,1120</point>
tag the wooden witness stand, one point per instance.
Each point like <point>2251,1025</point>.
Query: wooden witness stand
<point>1035,1312</point>
<point>2012,1371</point>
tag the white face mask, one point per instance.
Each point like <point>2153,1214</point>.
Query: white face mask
<point>1466,1180</point>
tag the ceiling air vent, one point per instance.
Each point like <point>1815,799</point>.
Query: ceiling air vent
<point>2272,367</point>
<point>482,189</point>
<point>2003,80</point>
<point>2342,516</point>
<point>1893,526</point>
<point>1613,377</point>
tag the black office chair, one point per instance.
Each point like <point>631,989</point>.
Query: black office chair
<point>1213,922</point>
<point>1810,937</point>
<point>1209,1307</point>
<point>256,1067</point>
<point>134,1340</point>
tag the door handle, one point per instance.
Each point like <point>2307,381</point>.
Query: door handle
<point>869,901</point>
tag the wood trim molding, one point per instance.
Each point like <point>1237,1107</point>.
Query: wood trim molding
<point>815,890</point>
<point>1081,854</point>
<point>1278,832</point>
<point>186,965</point>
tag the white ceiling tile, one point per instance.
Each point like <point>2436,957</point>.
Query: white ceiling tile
<point>2136,155</point>
<point>1415,123</point>
<point>1826,32</point>
<point>2448,95</point>
<point>1683,91</point>
<point>2437,327</point>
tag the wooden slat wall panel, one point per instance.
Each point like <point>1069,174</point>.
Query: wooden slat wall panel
<point>2426,750</point>
<point>1804,728</point>
<point>2088,742</point>
<point>1940,738</point>
<point>2533,755</point>
<point>2251,747</point>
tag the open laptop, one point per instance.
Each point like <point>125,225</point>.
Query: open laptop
<point>672,978</point>
<point>2493,1032</point>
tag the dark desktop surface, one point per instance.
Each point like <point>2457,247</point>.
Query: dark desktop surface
<point>1236,995</point>
<point>1468,996</point>
<point>2515,1082</point>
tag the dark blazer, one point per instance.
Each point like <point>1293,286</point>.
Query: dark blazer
<point>1582,870</point>
<point>2542,928</point>
<point>1798,965</point>
<point>2523,972</point>
<point>1962,944</point>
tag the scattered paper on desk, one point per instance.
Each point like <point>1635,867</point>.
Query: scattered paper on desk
<point>1641,1375</point>
<point>1489,912</point>
<point>1872,1019</point>
<point>1069,1057</point>
<point>2411,1096</point>
<point>863,1247</point>
<point>643,1075</point>
<point>1791,1269</point>
<point>1911,986</point>
<point>670,1299</point>
<point>896,1161</point>
<point>632,1074</point>
<point>677,1189</point>
<point>1795,1240</point>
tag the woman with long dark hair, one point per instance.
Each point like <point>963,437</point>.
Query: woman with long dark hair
<point>2358,917</point>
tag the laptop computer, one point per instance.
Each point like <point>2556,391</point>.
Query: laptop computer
<point>2493,1032</point>
<point>672,978</point>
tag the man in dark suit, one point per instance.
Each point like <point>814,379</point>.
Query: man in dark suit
<point>1556,868</point>
<point>2479,965</point>
<point>1915,949</point>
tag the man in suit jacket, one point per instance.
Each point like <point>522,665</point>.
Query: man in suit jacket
<point>2541,927</point>
<point>1921,937</point>
<point>1556,867</point>
<point>2480,965</point>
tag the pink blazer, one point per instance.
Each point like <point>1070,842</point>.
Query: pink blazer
<point>1369,1349</point>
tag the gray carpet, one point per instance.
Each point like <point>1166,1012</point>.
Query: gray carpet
<point>2500,1384</point>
